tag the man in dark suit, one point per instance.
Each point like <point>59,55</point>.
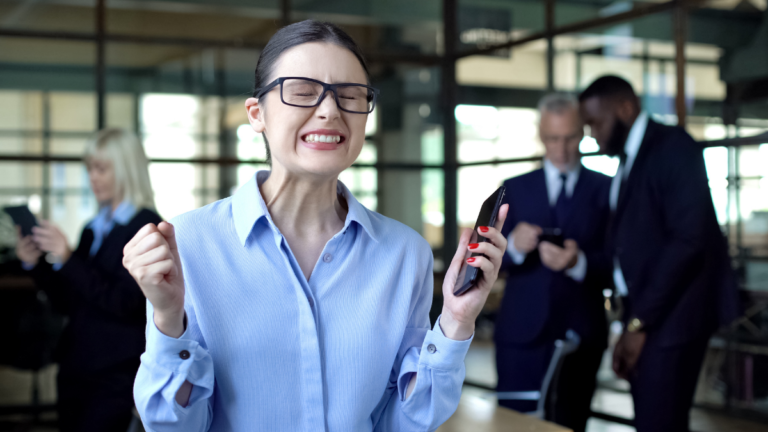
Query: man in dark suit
<point>552,289</point>
<point>669,256</point>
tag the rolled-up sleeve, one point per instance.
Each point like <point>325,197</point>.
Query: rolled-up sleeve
<point>165,365</point>
<point>438,363</point>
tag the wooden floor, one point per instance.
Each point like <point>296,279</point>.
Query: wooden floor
<point>479,414</point>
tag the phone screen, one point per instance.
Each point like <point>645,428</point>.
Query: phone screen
<point>552,235</point>
<point>469,275</point>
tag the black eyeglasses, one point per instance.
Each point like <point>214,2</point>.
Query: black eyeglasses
<point>308,93</point>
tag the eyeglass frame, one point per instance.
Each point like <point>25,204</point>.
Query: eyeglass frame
<point>258,94</point>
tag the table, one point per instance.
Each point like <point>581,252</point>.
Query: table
<point>476,414</point>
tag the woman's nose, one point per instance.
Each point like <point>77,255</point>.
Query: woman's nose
<point>328,108</point>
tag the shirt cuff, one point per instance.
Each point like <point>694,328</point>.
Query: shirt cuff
<point>441,352</point>
<point>517,256</point>
<point>187,360</point>
<point>579,271</point>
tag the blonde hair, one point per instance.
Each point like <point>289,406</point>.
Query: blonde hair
<point>129,161</point>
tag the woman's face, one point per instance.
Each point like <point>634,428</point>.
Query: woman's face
<point>101,174</point>
<point>291,130</point>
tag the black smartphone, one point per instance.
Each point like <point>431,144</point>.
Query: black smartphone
<point>552,235</point>
<point>22,217</point>
<point>468,276</point>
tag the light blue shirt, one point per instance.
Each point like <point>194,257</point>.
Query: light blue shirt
<point>554,185</point>
<point>267,350</point>
<point>631,148</point>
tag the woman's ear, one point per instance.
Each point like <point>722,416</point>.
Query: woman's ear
<point>255,115</point>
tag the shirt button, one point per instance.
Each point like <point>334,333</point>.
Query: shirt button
<point>431,348</point>
<point>184,354</point>
<point>327,257</point>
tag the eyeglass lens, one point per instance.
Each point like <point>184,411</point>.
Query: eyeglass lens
<point>306,93</point>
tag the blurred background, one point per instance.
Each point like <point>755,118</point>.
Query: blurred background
<point>459,84</point>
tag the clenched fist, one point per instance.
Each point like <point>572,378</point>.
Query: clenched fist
<point>152,258</point>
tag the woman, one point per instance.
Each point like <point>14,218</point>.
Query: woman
<point>289,306</point>
<point>99,351</point>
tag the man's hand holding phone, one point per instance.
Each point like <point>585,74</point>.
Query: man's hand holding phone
<point>526,237</point>
<point>558,258</point>
<point>460,312</point>
<point>152,258</point>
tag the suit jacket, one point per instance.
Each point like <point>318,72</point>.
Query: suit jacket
<point>540,304</point>
<point>666,236</point>
<point>105,306</point>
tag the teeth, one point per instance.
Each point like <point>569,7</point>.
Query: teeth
<point>323,138</point>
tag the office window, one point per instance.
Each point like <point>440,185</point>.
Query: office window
<point>70,201</point>
<point>486,133</point>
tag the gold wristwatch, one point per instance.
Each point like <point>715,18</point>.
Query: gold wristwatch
<point>635,325</point>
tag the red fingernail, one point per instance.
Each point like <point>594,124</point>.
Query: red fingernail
<point>484,229</point>
<point>474,245</point>
<point>471,260</point>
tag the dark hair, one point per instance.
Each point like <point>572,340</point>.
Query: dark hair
<point>609,86</point>
<point>297,34</point>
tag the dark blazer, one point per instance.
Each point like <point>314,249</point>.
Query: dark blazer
<point>540,303</point>
<point>105,306</point>
<point>671,250</point>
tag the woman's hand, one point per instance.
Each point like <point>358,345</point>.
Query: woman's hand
<point>26,249</point>
<point>459,313</point>
<point>50,239</point>
<point>152,258</point>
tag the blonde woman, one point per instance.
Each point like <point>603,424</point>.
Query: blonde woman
<point>98,353</point>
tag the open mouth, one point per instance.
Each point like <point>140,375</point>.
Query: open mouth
<point>318,138</point>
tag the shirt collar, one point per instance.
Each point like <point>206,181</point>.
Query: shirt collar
<point>121,215</point>
<point>553,173</point>
<point>636,134</point>
<point>554,184</point>
<point>248,207</point>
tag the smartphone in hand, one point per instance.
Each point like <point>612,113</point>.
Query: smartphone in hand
<point>468,275</point>
<point>22,217</point>
<point>552,235</point>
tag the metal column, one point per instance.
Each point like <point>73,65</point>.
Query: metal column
<point>681,30</point>
<point>549,26</point>
<point>448,106</point>
<point>285,12</point>
<point>100,64</point>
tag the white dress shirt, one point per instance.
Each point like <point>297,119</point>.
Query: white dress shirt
<point>554,182</point>
<point>631,148</point>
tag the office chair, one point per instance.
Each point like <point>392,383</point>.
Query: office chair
<point>549,384</point>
